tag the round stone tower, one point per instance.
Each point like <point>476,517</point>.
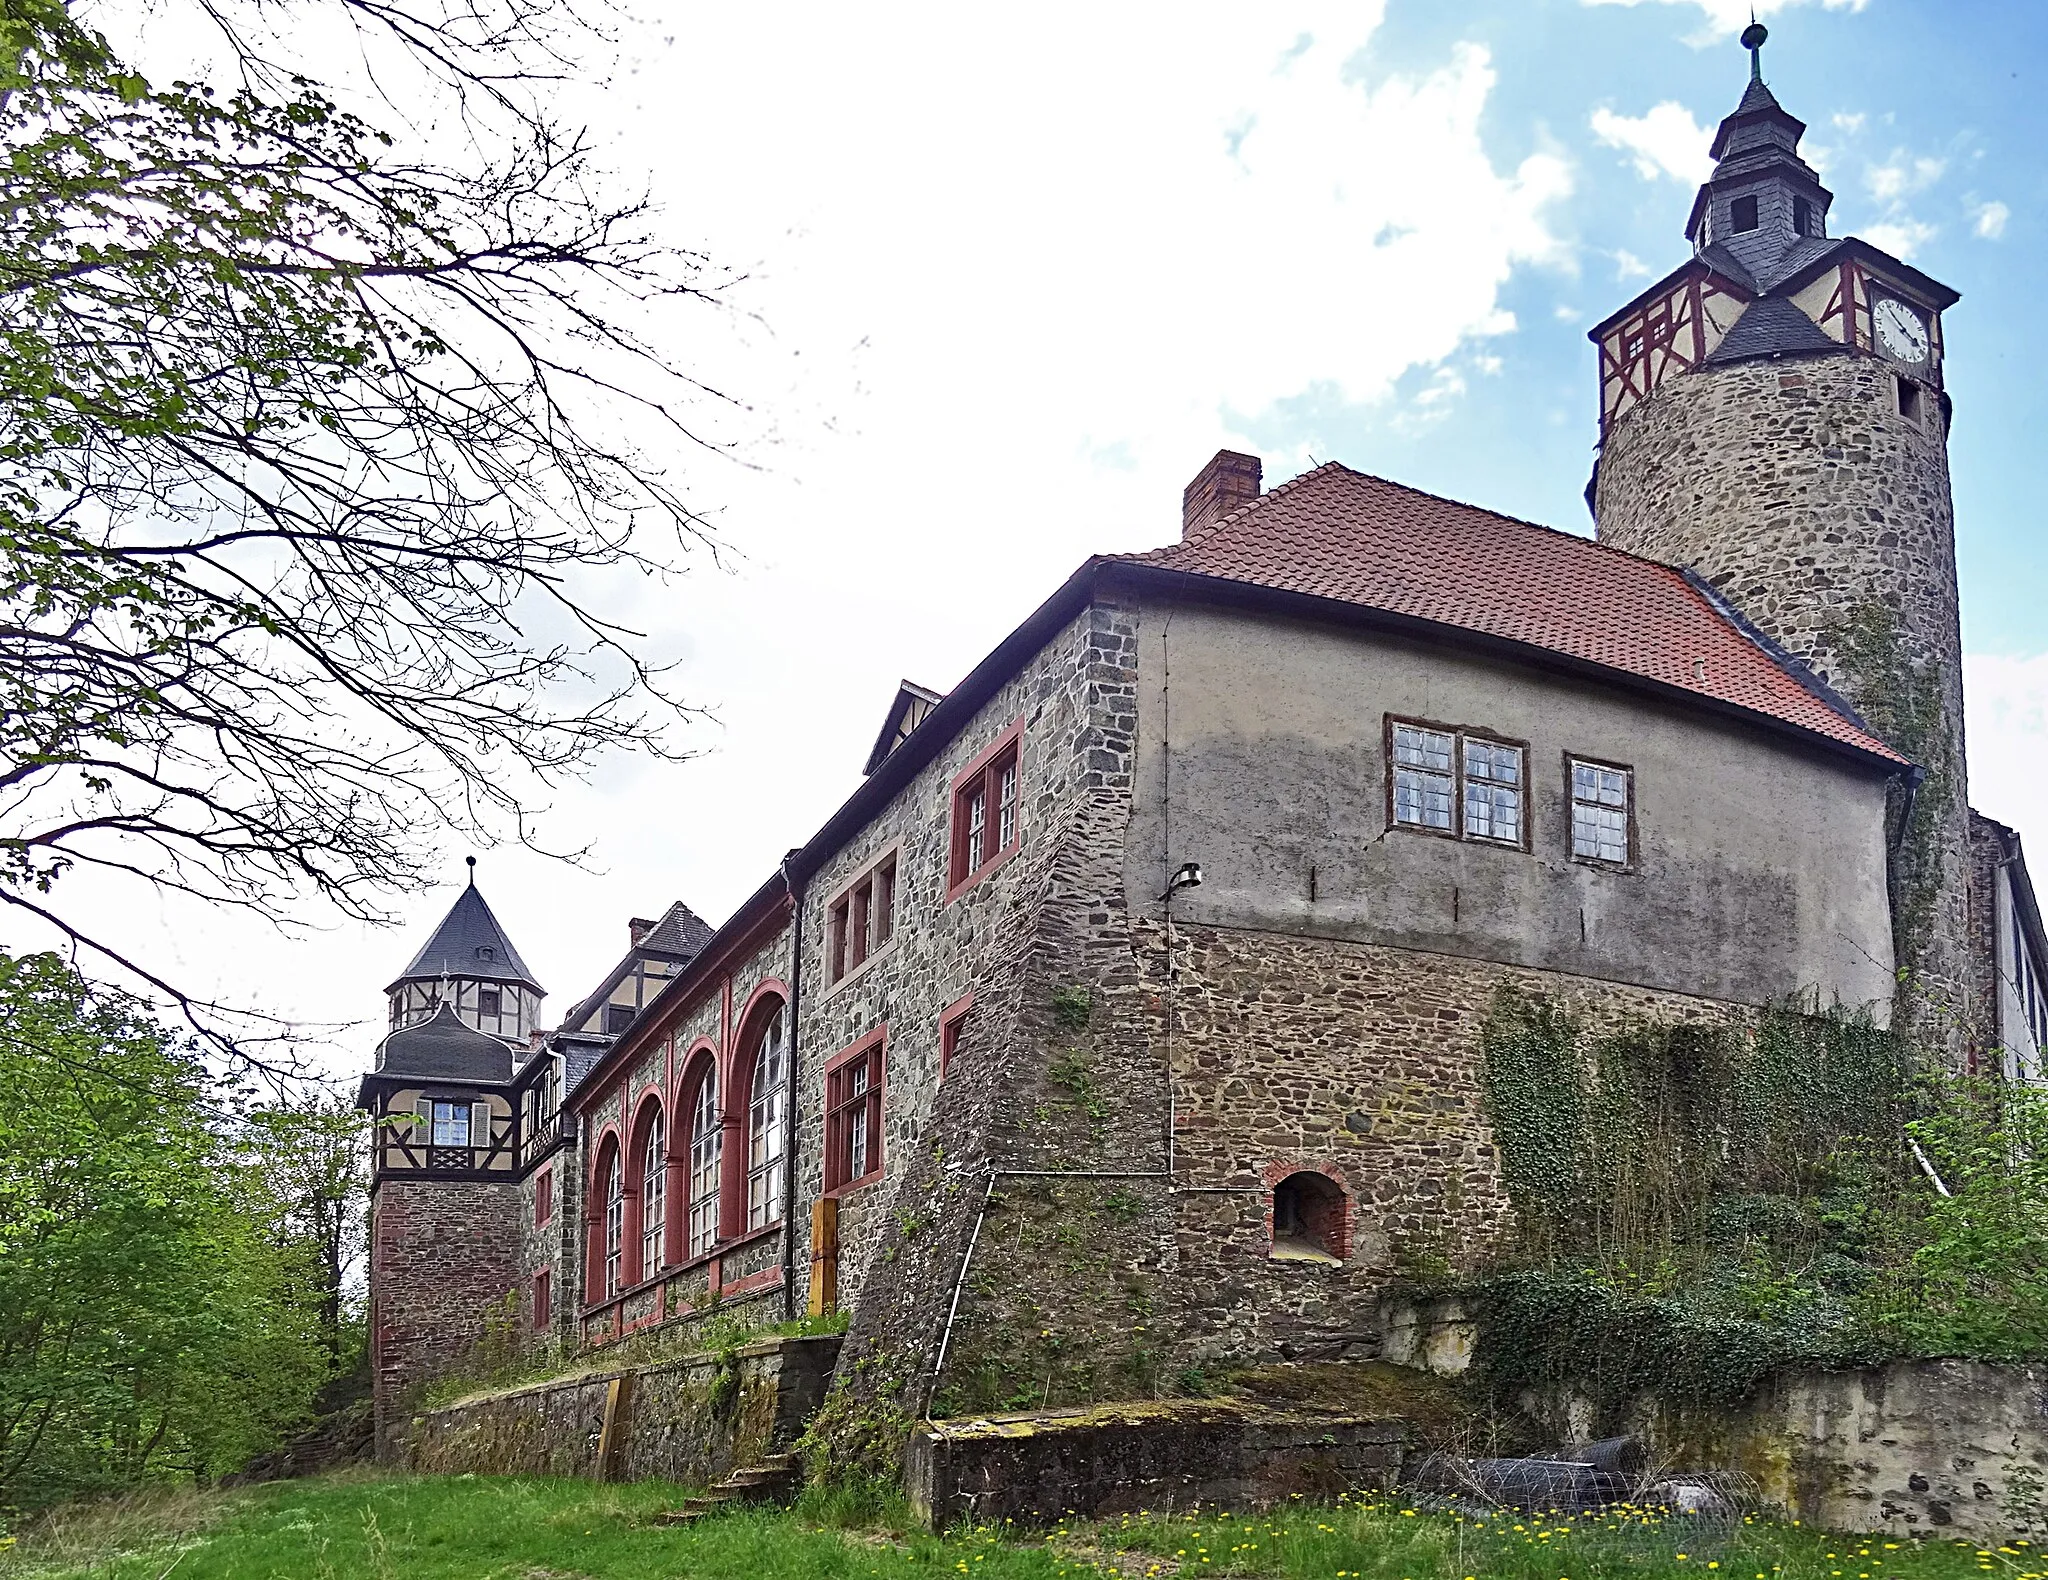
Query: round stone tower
<point>1773,419</point>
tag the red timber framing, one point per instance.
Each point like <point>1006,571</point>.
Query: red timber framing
<point>1662,332</point>
<point>687,1278</point>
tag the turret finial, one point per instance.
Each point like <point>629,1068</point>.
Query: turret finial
<point>1753,38</point>
<point>472,870</point>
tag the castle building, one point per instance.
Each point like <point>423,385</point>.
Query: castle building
<point>1126,1018</point>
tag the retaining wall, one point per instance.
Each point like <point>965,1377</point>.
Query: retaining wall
<point>1114,1459</point>
<point>689,1420</point>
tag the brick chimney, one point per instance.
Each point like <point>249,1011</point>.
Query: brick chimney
<point>639,927</point>
<point>1228,482</point>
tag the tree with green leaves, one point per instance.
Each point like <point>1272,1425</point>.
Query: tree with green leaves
<point>316,445</point>
<point>160,1303</point>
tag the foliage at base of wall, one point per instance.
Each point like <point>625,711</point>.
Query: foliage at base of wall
<point>161,1310</point>
<point>1701,1207</point>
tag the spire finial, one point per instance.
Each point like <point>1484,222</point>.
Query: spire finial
<point>1753,38</point>
<point>472,870</point>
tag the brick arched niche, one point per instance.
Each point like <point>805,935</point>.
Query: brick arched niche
<point>603,1218</point>
<point>1309,1216</point>
<point>647,1181</point>
<point>757,1114</point>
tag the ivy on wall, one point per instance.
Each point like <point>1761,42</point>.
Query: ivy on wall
<point>1701,1206</point>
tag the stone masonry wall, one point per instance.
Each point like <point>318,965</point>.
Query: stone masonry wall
<point>444,1257</point>
<point>690,1420</point>
<point>1799,490</point>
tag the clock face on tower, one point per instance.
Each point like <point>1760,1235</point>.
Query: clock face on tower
<point>1901,331</point>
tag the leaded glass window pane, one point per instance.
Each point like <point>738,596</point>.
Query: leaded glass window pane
<point>1600,812</point>
<point>1422,777</point>
<point>1493,791</point>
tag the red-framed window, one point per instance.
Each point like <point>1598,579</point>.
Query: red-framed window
<point>853,1114</point>
<point>543,1198</point>
<point>707,1139</point>
<point>987,810</point>
<point>768,1123</point>
<point>862,919</point>
<point>614,1224</point>
<point>543,1300</point>
<point>951,1019</point>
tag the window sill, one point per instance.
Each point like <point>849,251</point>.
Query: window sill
<point>839,1192</point>
<point>986,870</point>
<point>1298,1251</point>
<point>865,966</point>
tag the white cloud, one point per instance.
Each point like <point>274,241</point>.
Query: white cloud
<point>1847,123</point>
<point>1725,18</point>
<point>1988,219</point>
<point>1902,175</point>
<point>1901,236</point>
<point>1627,266</point>
<point>2006,726</point>
<point>1666,141</point>
<point>1028,280</point>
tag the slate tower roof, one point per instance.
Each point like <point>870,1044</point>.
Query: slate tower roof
<point>1763,206</point>
<point>471,943</point>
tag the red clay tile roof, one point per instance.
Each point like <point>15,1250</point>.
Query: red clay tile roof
<point>1339,534</point>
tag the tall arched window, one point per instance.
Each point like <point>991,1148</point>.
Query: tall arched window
<point>704,1160</point>
<point>614,1223</point>
<point>768,1125</point>
<point>653,1195</point>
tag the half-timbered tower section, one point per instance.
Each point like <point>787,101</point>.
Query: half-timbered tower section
<point>1774,417</point>
<point>448,1153</point>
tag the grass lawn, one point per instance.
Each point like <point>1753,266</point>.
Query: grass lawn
<point>478,1528</point>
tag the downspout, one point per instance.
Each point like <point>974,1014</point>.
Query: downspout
<point>796,973</point>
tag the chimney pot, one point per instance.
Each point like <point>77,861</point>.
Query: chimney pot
<point>639,927</point>
<point>1229,482</point>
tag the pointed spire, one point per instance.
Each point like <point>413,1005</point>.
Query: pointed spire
<point>469,944</point>
<point>1764,208</point>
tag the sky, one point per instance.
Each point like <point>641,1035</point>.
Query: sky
<point>1011,278</point>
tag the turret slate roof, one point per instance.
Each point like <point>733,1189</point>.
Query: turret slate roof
<point>470,942</point>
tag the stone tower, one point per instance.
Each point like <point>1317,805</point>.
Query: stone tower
<point>447,1213</point>
<point>1773,418</point>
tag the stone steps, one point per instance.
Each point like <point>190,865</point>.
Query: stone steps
<point>773,1480</point>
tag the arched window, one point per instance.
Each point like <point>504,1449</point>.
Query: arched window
<point>1308,1218</point>
<point>768,1125</point>
<point>704,1161</point>
<point>614,1223</point>
<point>653,1195</point>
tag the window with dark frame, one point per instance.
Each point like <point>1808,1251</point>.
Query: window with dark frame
<point>853,1119</point>
<point>949,1034</point>
<point>543,1300</point>
<point>1802,216</point>
<point>543,1198</point>
<point>1445,781</point>
<point>617,1017</point>
<point>985,815</point>
<point>1601,795</point>
<point>861,920</point>
<point>489,1002</point>
<point>1742,213</point>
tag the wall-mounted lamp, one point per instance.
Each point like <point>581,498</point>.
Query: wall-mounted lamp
<point>1188,877</point>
